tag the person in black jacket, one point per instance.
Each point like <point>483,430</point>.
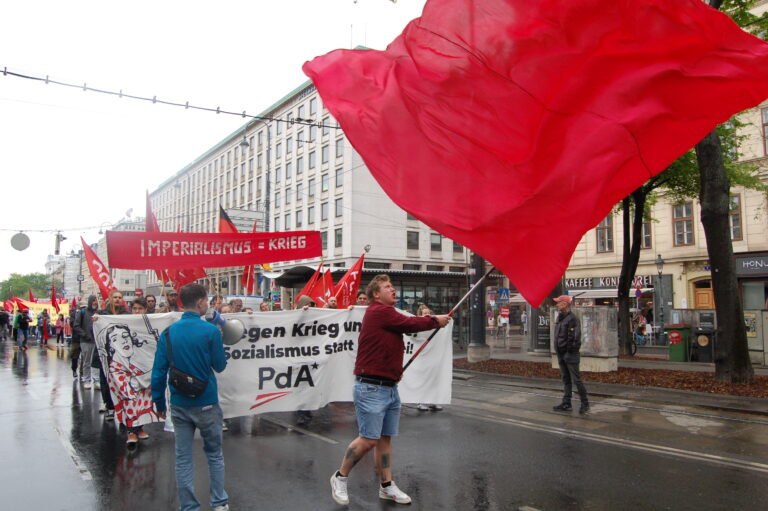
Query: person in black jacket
<point>567,344</point>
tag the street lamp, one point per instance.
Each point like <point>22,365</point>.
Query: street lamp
<point>101,227</point>
<point>660,296</point>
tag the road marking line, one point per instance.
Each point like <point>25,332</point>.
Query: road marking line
<point>631,444</point>
<point>291,427</point>
<point>85,474</point>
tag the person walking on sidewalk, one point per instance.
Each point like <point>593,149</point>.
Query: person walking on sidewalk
<point>196,349</point>
<point>567,344</point>
<point>84,330</point>
<point>5,320</point>
<point>378,369</point>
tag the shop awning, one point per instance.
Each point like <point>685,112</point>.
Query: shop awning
<point>605,293</point>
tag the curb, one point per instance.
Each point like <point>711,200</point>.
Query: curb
<point>657,395</point>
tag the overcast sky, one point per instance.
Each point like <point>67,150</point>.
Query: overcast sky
<point>71,159</point>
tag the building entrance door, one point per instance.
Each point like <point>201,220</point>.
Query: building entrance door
<point>703,298</point>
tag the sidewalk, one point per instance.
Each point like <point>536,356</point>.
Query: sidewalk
<point>511,348</point>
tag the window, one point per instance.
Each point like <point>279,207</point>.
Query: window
<point>299,166</point>
<point>310,215</point>
<point>277,224</point>
<point>260,141</point>
<point>435,242</point>
<point>339,177</point>
<point>324,239</point>
<point>765,130</point>
<point>278,127</point>
<point>645,241</point>
<point>311,188</point>
<point>278,148</point>
<point>288,145</point>
<point>277,199</point>
<point>605,235</point>
<point>326,126</point>
<point>734,217</point>
<point>376,266</point>
<point>456,269</point>
<point>312,134</point>
<point>278,174</point>
<point>339,207</point>
<point>337,238</point>
<point>299,192</point>
<point>288,170</point>
<point>250,166</point>
<point>457,248</point>
<point>312,160</point>
<point>324,183</point>
<point>413,240</point>
<point>434,267</point>
<point>682,218</point>
<point>323,211</point>
<point>339,147</point>
<point>288,194</point>
<point>411,217</point>
<point>299,215</point>
<point>258,186</point>
<point>412,267</point>
<point>302,112</point>
<point>325,154</point>
<point>312,106</point>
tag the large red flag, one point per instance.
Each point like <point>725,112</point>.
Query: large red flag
<point>322,289</point>
<point>307,289</point>
<point>20,304</point>
<point>54,300</point>
<point>151,225</point>
<point>225,224</point>
<point>8,305</point>
<point>99,271</point>
<point>513,127</point>
<point>346,288</point>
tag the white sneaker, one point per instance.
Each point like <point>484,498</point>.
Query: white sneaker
<point>392,492</point>
<point>97,386</point>
<point>422,408</point>
<point>339,490</point>
<point>225,507</point>
<point>87,385</point>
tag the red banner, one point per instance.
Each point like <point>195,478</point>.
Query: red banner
<point>178,250</point>
<point>99,271</point>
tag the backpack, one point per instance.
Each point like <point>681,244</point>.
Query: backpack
<point>75,331</point>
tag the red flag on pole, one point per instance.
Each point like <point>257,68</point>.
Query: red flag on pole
<point>151,225</point>
<point>20,304</point>
<point>322,289</point>
<point>73,307</point>
<point>31,298</point>
<point>346,288</point>
<point>549,112</point>
<point>99,272</point>
<point>246,280</point>
<point>225,224</point>
<point>8,305</point>
<point>307,289</point>
<point>54,300</point>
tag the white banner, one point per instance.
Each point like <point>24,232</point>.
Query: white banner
<point>276,361</point>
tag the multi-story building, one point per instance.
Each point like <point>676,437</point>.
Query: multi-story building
<point>293,169</point>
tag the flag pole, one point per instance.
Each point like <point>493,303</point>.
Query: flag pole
<point>451,313</point>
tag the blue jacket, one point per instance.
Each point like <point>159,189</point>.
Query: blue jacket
<point>197,350</point>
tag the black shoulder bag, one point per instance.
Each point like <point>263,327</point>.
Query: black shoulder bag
<point>186,384</point>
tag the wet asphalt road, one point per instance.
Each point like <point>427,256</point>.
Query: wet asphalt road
<point>497,447</point>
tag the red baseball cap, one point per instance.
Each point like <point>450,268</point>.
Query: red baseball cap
<point>564,298</point>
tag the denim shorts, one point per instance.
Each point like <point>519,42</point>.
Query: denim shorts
<point>377,408</point>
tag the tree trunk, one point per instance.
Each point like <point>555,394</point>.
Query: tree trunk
<point>732,362</point>
<point>629,259</point>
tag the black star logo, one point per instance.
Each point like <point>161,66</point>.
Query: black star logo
<point>314,365</point>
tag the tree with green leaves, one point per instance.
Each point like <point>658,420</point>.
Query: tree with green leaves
<point>17,285</point>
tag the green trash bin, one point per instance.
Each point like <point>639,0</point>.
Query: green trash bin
<point>679,338</point>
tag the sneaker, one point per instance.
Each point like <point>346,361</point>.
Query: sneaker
<point>436,408</point>
<point>392,492</point>
<point>339,490</point>
<point>584,408</point>
<point>109,415</point>
<point>87,385</point>
<point>143,435</point>
<point>224,426</point>
<point>563,407</point>
<point>74,374</point>
<point>102,408</point>
<point>225,507</point>
<point>132,441</point>
<point>422,408</point>
<point>97,386</point>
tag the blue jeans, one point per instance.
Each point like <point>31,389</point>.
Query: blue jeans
<point>208,419</point>
<point>377,408</point>
<point>22,332</point>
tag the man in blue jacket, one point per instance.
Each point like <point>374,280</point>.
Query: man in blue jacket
<point>197,349</point>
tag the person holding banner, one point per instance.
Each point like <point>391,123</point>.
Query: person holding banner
<point>84,330</point>
<point>196,349</point>
<point>378,369</point>
<point>362,299</point>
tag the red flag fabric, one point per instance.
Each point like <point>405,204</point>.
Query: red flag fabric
<point>99,272</point>
<point>31,298</point>
<point>246,280</point>
<point>225,224</point>
<point>54,300</point>
<point>171,250</point>
<point>73,307</point>
<point>8,305</point>
<point>20,304</point>
<point>151,225</point>
<point>513,127</point>
<point>322,289</point>
<point>346,288</point>
<point>307,289</point>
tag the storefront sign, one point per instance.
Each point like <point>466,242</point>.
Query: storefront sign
<point>640,281</point>
<point>504,312</point>
<point>753,265</point>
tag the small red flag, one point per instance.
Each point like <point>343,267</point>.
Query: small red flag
<point>246,280</point>
<point>31,298</point>
<point>54,300</point>
<point>20,304</point>
<point>346,289</point>
<point>8,305</point>
<point>225,224</point>
<point>547,112</point>
<point>307,289</point>
<point>322,289</point>
<point>73,307</point>
<point>99,272</point>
